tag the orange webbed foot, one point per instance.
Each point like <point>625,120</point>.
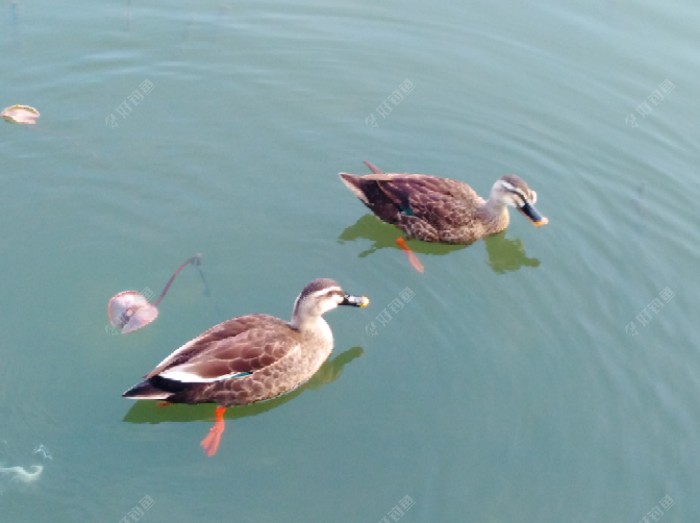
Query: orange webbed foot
<point>412,258</point>
<point>211,441</point>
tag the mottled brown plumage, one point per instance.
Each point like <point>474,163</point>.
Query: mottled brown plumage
<point>436,209</point>
<point>250,358</point>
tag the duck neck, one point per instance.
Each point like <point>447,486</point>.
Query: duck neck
<point>305,322</point>
<point>314,328</point>
<point>494,205</point>
<point>494,213</point>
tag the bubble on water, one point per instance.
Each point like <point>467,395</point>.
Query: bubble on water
<point>18,473</point>
<point>19,476</point>
<point>44,451</point>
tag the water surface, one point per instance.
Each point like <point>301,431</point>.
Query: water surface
<point>530,377</point>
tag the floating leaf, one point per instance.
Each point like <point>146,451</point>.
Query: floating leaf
<point>24,114</point>
<point>130,310</point>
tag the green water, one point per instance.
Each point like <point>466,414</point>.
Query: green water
<point>546,375</point>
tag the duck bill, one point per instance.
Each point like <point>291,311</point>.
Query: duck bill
<point>534,215</point>
<point>355,301</point>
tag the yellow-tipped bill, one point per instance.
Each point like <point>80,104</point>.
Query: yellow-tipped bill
<point>534,215</point>
<point>355,301</point>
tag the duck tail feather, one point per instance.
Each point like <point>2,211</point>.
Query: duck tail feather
<point>146,390</point>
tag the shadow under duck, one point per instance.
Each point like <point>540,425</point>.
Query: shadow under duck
<point>443,210</point>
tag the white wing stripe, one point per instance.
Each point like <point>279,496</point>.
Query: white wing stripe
<point>184,376</point>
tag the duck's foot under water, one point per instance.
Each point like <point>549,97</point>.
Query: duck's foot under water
<point>412,258</point>
<point>211,441</point>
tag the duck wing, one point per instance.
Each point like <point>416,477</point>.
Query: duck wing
<point>442,202</point>
<point>234,348</point>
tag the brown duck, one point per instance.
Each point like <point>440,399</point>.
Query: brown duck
<point>250,358</point>
<point>436,209</point>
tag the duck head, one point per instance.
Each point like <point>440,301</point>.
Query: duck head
<point>512,190</point>
<point>321,296</point>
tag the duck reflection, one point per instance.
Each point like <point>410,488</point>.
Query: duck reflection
<point>505,255</point>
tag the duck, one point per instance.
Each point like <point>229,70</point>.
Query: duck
<point>249,358</point>
<point>434,209</point>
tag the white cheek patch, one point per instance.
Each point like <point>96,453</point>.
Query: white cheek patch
<point>508,186</point>
<point>519,198</point>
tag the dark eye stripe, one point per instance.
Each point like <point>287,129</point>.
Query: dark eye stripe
<point>521,196</point>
